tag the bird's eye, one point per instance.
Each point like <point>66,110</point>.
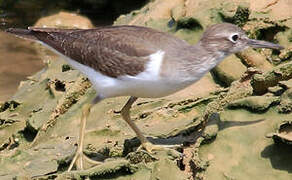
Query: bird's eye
<point>234,38</point>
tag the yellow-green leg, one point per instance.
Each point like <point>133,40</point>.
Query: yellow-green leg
<point>79,157</point>
<point>148,146</point>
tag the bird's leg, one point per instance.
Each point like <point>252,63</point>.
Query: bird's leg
<point>148,146</point>
<point>125,112</point>
<point>79,156</point>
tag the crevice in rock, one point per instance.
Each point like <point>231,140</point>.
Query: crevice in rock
<point>189,23</point>
<point>66,67</point>
<point>9,105</point>
<point>60,86</point>
<point>269,33</point>
<point>123,171</point>
<point>28,133</point>
<point>239,18</point>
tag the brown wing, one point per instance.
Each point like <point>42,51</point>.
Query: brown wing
<point>113,50</point>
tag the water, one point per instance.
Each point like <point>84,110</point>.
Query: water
<point>18,58</point>
<point>17,61</point>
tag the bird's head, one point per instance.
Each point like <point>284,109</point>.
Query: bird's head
<point>229,38</point>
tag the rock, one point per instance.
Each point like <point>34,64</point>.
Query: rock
<point>212,128</point>
<point>254,59</point>
<point>166,165</point>
<point>225,73</point>
<point>286,84</point>
<point>254,103</point>
<point>64,20</point>
<point>240,139</point>
<point>286,102</point>
<point>276,90</point>
<point>261,82</point>
<point>284,133</point>
<point>178,12</point>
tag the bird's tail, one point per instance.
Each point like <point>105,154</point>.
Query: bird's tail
<point>22,33</point>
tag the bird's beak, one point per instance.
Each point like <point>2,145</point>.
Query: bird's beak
<point>263,44</point>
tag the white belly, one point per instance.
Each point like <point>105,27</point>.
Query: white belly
<point>147,84</point>
<point>127,85</point>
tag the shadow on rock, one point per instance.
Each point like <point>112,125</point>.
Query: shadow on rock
<point>229,124</point>
<point>280,156</point>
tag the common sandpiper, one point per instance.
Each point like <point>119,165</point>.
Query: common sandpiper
<point>139,62</point>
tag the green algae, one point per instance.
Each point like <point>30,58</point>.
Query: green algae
<point>229,156</point>
<point>160,24</point>
<point>140,156</point>
<point>106,132</point>
<point>166,165</point>
<point>241,16</point>
<point>107,168</point>
<point>239,97</point>
<point>28,162</point>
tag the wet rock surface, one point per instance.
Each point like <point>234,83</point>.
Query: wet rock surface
<point>222,130</point>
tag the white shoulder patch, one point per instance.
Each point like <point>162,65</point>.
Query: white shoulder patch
<point>154,65</point>
<point>152,69</point>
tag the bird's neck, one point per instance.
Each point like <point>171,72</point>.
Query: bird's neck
<point>200,61</point>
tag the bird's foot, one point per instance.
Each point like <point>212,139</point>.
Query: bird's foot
<point>152,148</point>
<point>79,160</point>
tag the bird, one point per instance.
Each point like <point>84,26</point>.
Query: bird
<point>139,62</point>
